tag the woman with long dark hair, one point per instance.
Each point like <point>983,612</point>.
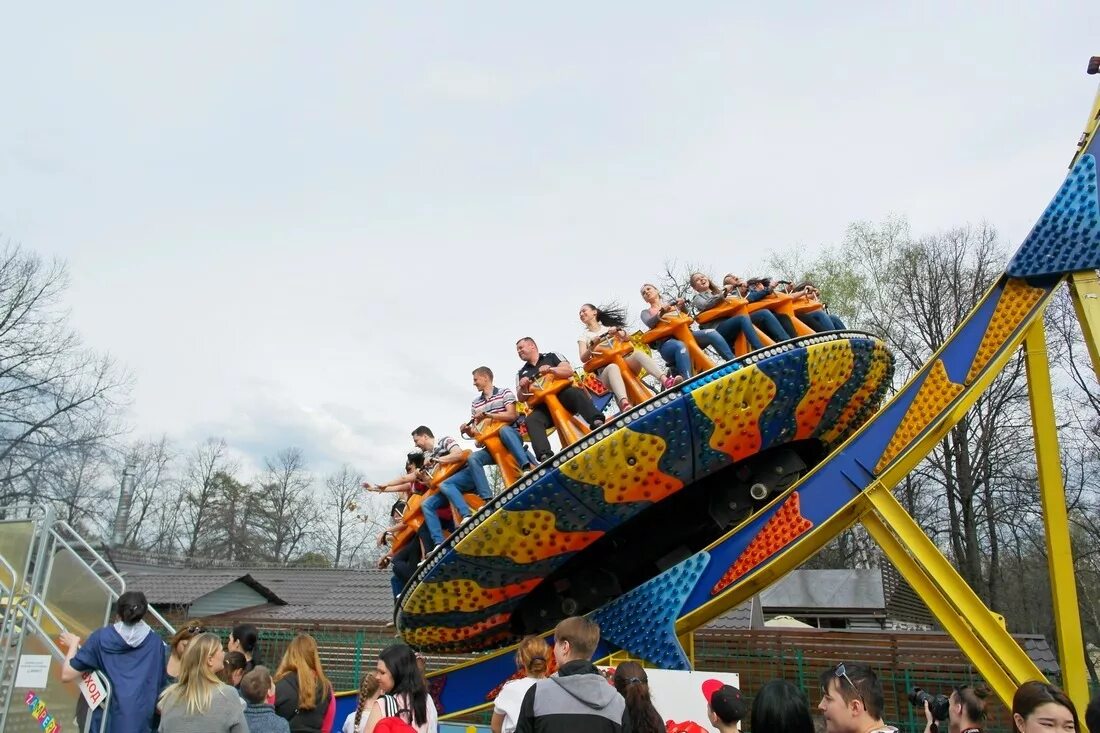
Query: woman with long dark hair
<point>611,319</point>
<point>244,638</point>
<point>780,707</point>
<point>633,684</point>
<point>406,691</point>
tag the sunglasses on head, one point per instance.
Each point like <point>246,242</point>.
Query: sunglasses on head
<point>195,630</point>
<point>841,673</point>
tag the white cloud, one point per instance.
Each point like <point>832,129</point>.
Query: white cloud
<point>306,228</point>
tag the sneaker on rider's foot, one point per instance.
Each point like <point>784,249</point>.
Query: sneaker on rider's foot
<point>671,381</point>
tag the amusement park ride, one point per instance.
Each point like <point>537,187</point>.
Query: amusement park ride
<point>697,498</point>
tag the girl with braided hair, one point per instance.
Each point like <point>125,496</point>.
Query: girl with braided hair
<point>369,692</point>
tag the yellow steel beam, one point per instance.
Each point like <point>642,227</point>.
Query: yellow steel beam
<point>989,667</point>
<point>1063,582</point>
<point>1091,126</point>
<point>968,607</point>
<point>1084,286</point>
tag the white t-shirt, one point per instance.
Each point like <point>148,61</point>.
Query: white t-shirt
<point>585,339</point>
<point>432,726</point>
<point>349,722</point>
<point>509,700</point>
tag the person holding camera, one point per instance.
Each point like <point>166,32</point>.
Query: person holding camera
<point>965,709</point>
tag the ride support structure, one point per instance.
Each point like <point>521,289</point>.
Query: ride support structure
<point>472,590</point>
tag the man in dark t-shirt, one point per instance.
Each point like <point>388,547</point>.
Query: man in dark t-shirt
<point>572,398</point>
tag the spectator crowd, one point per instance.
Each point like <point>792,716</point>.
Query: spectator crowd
<point>194,684</point>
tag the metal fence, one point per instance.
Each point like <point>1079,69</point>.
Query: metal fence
<point>345,654</point>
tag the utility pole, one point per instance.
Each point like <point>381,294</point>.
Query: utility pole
<point>125,499</point>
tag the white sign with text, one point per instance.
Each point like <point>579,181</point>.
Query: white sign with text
<point>33,671</point>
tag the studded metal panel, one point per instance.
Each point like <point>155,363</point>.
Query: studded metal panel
<point>643,621</point>
<point>1067,235</point>
<point>1016,300</point>
<point>828,368</point>
<point>937,392</point>
<point>783,528</point>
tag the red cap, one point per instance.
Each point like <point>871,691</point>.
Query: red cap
<point>725,700</point>
<point>710,687</point>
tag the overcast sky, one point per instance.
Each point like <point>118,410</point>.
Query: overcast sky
<point>305,223</point>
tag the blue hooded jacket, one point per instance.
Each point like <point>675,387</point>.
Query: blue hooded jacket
<point>134,660</point>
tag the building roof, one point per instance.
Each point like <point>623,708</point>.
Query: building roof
<point>308,595</point>
<point>361,597</point>
<point>357,597</point>
<point>738,617</point>
<point>835,590</point>
<point>1038,648</point>
<point>170,588</point>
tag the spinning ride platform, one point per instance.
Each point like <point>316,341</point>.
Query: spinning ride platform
<point>644,492</point>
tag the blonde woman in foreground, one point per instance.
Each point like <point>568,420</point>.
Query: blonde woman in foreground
<point>532,658</point>
<point>200,701</point>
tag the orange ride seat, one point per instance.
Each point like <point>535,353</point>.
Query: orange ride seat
<point>611,350</point>
<point>678,326</point>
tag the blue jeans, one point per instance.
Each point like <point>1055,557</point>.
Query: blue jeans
<point>729,328</point>
<point>470,479</point>
<point>766,321</point>
<point>676,356</point>
<point>509,437</point>
<point>710,337</point>
<point>837,323</point>
<point>447,492</point>
<point>817,320</point>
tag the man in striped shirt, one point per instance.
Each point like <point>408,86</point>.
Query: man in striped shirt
<point>444,450</point>
<point>497,404</point>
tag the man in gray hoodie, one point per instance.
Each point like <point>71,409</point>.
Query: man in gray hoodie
<point>578,698</point>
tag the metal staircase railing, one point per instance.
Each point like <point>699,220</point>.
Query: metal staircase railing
<point>58,583</point>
